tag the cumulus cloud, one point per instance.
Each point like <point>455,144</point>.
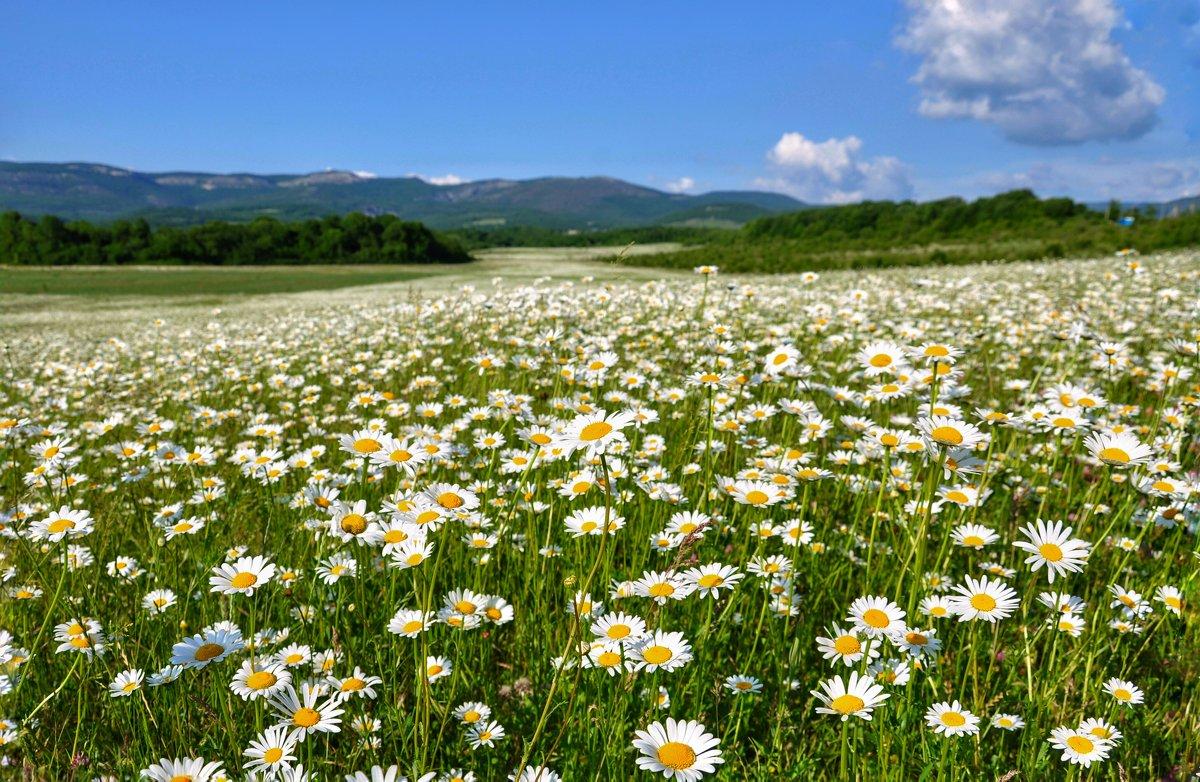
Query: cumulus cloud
<point>833,171</point>
<point>681,185</point>
<point>447,179</point>
<point>1043,71</point>
<point>1101,179</point>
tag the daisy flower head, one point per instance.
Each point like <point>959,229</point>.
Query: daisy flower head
<point>974,536</point>
<point>304,712</point>
<point>191,769</point>
<point>260,678</point>
<point>1118,450</point>
<point>595,433</point>
<point>272,750</point>
<point>848,646</point>
<point>619,627</point>
<point>241,577</point>
<point>780,359</point>
<point>485,734</point>
<point>877,358</point>
<point>1007,721</point>
<point>948,432</point>
<point>1124,692</point>
<point>472,712</point>
<point>743,685</point>
<point>679,750</point>
<point>211,646</point>
<point>758,494</point>
<point>661,650</point>
<point>126,683</point>
<point>1101,729</point>
<point>1051,545</point>
<point>437,668</point>
<point>1078,747</point>
<point>876,616</point>
<point>856,697</point>
<point>710,579</point>
<point>66,522</point>
<point>917,642</point>
<point>535,774</point>
<point>951,719</point>
<point>985,598</point>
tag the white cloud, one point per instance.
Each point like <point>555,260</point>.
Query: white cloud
<point>447,179</point>
<point>365,174</point>
<point>1100,179</point>
<point>681,185</point>
<point>833,171</point>
<point>1043,71</point>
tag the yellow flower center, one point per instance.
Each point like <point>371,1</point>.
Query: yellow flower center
<point>676,755</point>
<point>983,602</point>
<point>367,445</point>
<point>273,755</point>
<point>876,618</point>
<point>60,525</point>
<point>756,497</point>
<point>243,580</point>
<point>261,680</point>
<point>947,435</point>
<point>1050,552</point>
<point>847,645</point>
<point>1115,455</point>
<point>449,499</point>
<point>657,655</point>
<point>1080,744</point>
<point>208,651</point>
<point>847,704</point>
<point>354,524</point>
<point>306,718</point>
<point>594,431</point>
<point>953,719</point>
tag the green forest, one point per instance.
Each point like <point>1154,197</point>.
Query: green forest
<point>354,238</point>
<point>1011,226</point>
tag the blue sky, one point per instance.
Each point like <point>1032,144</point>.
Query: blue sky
<point>827,101</point>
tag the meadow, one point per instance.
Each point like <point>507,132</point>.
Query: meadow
<point>544,518</point>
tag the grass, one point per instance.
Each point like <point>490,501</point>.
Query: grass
<point>182,282</point>
<point>175,281</point>
<point>253,421</point>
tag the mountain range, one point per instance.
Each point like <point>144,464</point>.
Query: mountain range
<point>97,192</point>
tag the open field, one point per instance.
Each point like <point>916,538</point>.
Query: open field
<point>908,524</point>
<point>219,281</point>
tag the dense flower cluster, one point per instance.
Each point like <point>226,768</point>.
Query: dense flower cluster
<point>599,531</point>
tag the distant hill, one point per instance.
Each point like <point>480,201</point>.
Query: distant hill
<point>97,192</point>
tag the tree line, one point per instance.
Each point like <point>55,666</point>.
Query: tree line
<point>353,238</point>
<point>1011,226</point>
